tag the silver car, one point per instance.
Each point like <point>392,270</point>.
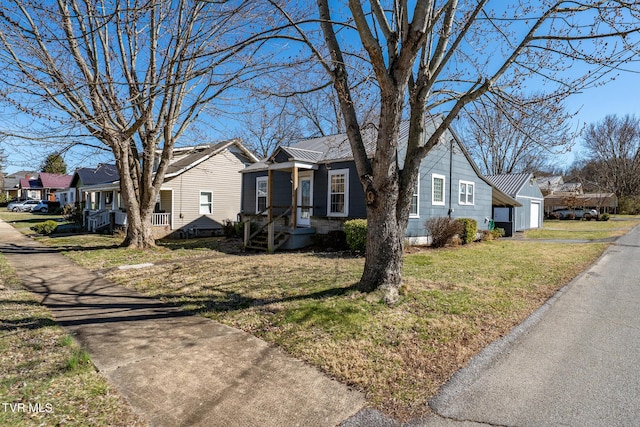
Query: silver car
<point>25,206</point>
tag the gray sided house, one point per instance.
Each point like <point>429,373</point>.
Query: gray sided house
<point>313,187</point>
<point>201,189</point>
<point>524,188</point>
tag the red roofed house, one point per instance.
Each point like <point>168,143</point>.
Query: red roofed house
<point>45,186</point>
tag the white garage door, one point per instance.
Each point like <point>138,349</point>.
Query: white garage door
<point>535,215</point>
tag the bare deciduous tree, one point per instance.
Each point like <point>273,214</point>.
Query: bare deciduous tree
<point>135,74</point>
<point>519,134</point>
<point>434,57</point>
<point>269,126</point>
<point>613,147</point>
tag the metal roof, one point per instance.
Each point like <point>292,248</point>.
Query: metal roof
<point>510,183</point>
<point>54,180</point>
<point>104,173</point>
<point>302,155</point>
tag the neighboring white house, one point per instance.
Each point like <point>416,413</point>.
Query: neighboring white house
<point>201,189</point>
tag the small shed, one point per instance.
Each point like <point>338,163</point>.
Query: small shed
<point>524,188</point>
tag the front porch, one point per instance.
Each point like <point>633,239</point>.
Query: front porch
<point>104,209</point>
<point>286,227</point>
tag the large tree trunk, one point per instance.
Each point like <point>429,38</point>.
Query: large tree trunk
<point>138,195</point>
<point>384,255</point>
<point>139,232</point>
<point>385,240</point>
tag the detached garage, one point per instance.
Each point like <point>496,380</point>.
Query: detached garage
<point>524,188</point>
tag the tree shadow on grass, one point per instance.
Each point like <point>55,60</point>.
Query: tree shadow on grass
<point>29,323</point>
<point>41,249</point>
<point>232,300</point>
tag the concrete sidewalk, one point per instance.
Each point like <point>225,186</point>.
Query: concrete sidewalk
<point>177,369</point>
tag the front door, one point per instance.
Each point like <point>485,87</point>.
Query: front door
<point>305,200</point>
<point>535,215</point>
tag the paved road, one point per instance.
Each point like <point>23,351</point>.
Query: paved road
<point>176,369</point>
<point>576,362</point>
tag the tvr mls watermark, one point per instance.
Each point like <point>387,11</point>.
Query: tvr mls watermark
<point>46,408</point>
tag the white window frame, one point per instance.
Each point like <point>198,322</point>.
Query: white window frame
<point>416,194</point>
<point>467,184</point>
<point>266,202</point>
<point>433,194</point>
<point>332,173</point>
<point>210,204</point>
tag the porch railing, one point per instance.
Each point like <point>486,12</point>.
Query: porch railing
<point>161,219</point>
<point>97,220</point>
<point>273,241</point>
<point>120,218</point>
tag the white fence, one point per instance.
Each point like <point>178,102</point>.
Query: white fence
<point>97,220</point>
<point>160,219</point>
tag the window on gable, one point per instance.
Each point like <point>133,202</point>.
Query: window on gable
<point>415,198</point>
<point>338,203</point>
<point>262,193</point>
<point>437,189</point>
<point>466,193</point>
<point>206,203</point>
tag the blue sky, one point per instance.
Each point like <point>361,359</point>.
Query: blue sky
<point>616,97</point>
<point>620,96</point>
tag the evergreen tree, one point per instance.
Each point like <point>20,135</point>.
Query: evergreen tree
<point>54,163</point>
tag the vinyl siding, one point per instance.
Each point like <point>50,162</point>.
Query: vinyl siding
<point>528,194</point>
<point>437,162</point>
<point>218,175</point>
<point>357,205</point>
<point>281,190</point>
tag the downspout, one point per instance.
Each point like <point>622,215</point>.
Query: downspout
<point>450,177</point>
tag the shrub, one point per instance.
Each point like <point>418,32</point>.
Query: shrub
<point>442,229</point>
<point>469,230</point>
<point>72,213</point>
<point>46,227</point>
<point>553,215</point>
<point>570,216</point>
<point>356,234</point>
<point>629,205</point>
<point>229,228</point>
<point>497,233</point>
<point>239,228</point>
<point>604,217</point>
<point>486,235</point>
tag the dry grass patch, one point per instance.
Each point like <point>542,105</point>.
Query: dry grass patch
<point>589,230</point>
<point>455,302</point>
<point>40,364</point>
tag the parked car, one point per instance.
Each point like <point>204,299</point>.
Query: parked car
<point>17,205</point>
<point>26,206</point>
<point>577,213</point>
<point>46,206</point>
<point>13,203</point>
<point>43,207</point>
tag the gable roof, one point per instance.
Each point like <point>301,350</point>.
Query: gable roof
<point>336,148</point>
<point>104,173</point>
<point>33,184</point>
<point>510,183</point>
<point>53,180</point>
<point>12,180</point>
<point>186,158</point>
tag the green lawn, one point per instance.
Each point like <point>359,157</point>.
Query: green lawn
<point>41,365</point>
<point>22,221</point>
<point>454,301</point>
<point>581,230</point>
